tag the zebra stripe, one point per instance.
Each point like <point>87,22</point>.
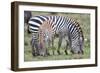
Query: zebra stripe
<point>35,23</point>
<point>58,24</point>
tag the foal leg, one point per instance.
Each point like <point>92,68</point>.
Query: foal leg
<point>53,48</point>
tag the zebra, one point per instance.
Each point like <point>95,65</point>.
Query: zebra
<point>27,16</point>
<point>63,26</point>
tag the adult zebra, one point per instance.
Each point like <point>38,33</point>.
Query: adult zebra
<point>63,26</point>
<point>27,16</point>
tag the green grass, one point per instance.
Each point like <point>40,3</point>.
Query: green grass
<point>84,21</point>
<point>28,55</point>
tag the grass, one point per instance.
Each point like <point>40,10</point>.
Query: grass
<point>84,21</point>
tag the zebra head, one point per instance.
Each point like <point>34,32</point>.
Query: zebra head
<point>27,16</point>
<point>44,39</point>
<point>38,45</point>
<point>77,46</point>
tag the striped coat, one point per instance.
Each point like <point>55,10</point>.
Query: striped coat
<point>63,26</point>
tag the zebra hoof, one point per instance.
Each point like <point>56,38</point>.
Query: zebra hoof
<point>34,54</point>
<point>82,52</point>
<point>58,52</point>
<point>48,54</point>
<point>72,51</point>
<point>66,52</point>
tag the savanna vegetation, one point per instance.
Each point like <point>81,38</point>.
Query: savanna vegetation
<point>84,21</point>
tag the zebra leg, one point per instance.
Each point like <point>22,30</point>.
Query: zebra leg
<point>81,44</point>
<point>67,44</point>
<point>53,48</point>
<point>47,48</point>
<point>35,45</point>
<point>34,48</point>
<point>33,51</point>
<point>59,44</point>
<point>32,45</point>
<point>47,52</point>
<point>68,41</point>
